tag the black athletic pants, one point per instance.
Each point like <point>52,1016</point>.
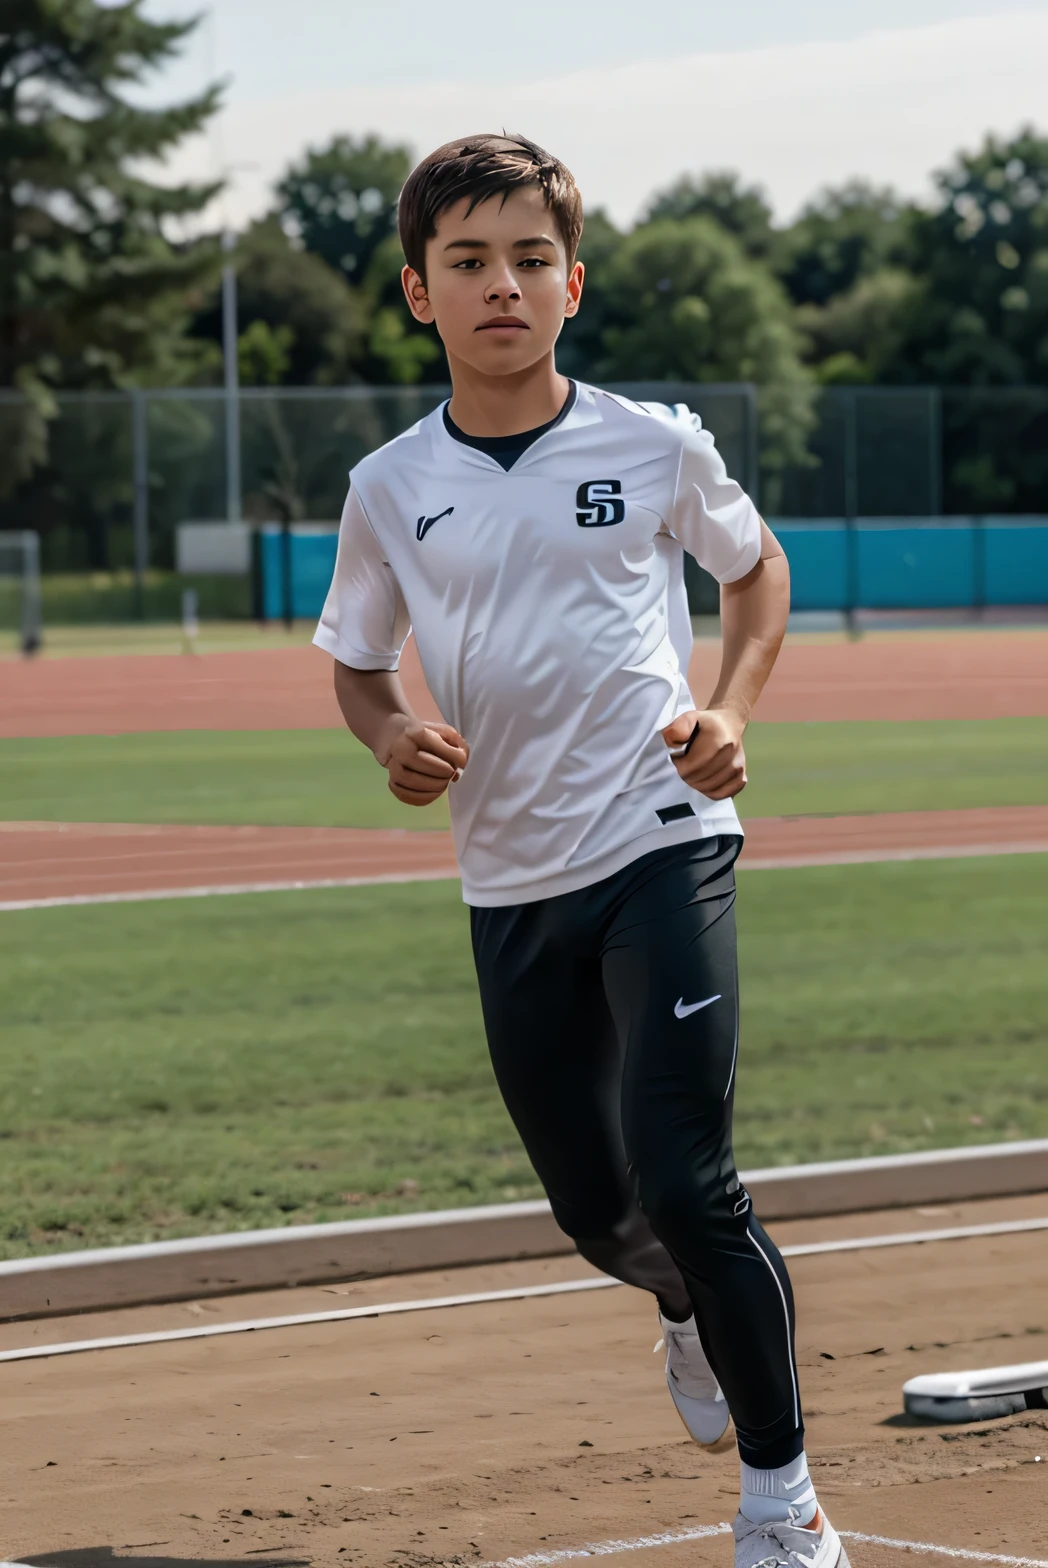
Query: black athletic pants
<point>612,1019</point>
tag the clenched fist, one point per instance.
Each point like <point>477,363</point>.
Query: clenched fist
<point>709,759</point>
<point>422,759</point>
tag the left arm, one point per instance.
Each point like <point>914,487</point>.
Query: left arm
<point>754,610</point>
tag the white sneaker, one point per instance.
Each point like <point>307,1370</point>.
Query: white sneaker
<point>783,1544</point>
<point>693,1387</point>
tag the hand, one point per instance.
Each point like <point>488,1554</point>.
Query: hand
<point>715,763</point>
<point>422,759</point>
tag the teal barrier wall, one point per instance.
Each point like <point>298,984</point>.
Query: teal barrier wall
<point>310,549</point>
<point>1016,557</point>
<point>896,563</point>
<point>927,563</point>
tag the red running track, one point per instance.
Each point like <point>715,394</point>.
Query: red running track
<point>941,675</point>
<point>47,862</point>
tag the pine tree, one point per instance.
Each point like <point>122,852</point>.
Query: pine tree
<point>92,280</point>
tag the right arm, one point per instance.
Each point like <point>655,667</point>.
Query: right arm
<point>421,758</point>
<point>364,625</point>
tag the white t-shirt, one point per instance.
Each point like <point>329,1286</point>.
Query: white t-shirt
<point>549,609</point>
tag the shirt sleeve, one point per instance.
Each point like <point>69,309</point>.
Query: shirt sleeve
<point>365,621</point>
<point>712,516</point>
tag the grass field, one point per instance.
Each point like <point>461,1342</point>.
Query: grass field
<point>324,777</point>
<point>178,1068</point>
<point>282,777</point>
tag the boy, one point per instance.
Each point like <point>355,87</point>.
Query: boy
<point>531,531</point>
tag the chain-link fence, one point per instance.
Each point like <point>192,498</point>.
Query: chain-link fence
<point>159,457</point>
<point>922,452</point>
<point>112,475</point>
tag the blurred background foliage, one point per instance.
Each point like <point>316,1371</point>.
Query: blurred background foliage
<point>107,282</point>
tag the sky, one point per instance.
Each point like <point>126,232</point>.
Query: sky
<point>793,96</point>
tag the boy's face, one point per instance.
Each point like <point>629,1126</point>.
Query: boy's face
<point>497,283</point>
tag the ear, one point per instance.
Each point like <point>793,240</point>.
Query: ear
<point>575,279</point>
<point>416,296</point>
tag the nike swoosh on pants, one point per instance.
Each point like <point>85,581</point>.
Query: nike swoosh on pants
<point>682,1012</point>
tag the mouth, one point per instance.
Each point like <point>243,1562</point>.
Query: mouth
<point>503,324</point>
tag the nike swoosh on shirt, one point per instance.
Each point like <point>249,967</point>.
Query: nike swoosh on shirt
<point>682,1012</point>
<point>424,524</point>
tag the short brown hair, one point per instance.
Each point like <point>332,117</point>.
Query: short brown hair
<point>479,167</point>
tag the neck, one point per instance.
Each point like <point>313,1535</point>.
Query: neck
<point>483,405</point>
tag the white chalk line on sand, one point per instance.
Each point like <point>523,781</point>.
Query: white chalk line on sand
<point>301,1319</point>
<point>703,1532</point>
<point>844,857</point>
<point>929,1549</point>
<point>913,1238</point>
<point>480,1298</point>
<point>607,1548</point>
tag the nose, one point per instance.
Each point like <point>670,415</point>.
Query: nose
<point>502,285</point>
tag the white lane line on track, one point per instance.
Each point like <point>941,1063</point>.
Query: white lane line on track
<point>151,895</point>
<point>867,857</point>
<point>480,1298</point>
<point>703,1532</point>
<point>858,857</point>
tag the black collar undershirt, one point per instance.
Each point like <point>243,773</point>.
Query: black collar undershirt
<point>507,449</point>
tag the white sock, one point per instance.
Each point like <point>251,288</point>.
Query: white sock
<point>776,1494</point>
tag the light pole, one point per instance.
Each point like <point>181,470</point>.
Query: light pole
<point>232,381</point>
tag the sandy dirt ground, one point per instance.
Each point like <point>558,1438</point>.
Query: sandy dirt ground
<point>63,860</point>
<point>934,675</point>
<point>522,1429</point>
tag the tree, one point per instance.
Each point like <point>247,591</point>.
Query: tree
<point>720,195</point>
<point>300,322</point>
<point>399,349</point>
<point>264,354</point>
<point>982,255</point>
<point>684,301</point>
<point>340,201</point>
<point>340,204</point>
<point>91,283</point>
<point>581,342</point>
<point>861,335</point>
<point>843,235</point>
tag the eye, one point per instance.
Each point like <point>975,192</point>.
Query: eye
<point>467,264</point>
<point>534,261</point>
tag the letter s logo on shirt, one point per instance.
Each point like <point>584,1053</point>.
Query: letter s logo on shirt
<point>599,503</point>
